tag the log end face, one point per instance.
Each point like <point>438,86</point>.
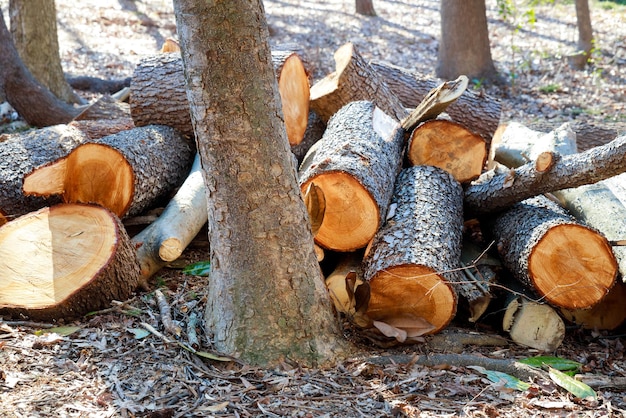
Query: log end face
<point>293,85</point>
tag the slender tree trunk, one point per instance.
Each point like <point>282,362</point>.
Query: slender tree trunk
<point>365,7</point>
<point>464,43</point>
<point>579,59</point>
<point>29,98</point>
<point>267,298</point>
<point>34,30</point>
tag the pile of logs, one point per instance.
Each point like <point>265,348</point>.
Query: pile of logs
<point>422,205</point>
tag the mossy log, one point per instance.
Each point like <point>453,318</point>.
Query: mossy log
<point>416,256</point>
<point>126,172</point>
<point>65,261</point>
<point>355,165</point>
<point>565,263</point>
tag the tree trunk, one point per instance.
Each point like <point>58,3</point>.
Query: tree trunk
<point>464,43</point>
<point>64,261</point>
<point>34,30</point>
<point>127,172</point>
<point>416,255</point>
<point>480,113</point>
<point>25,152</point>
<point>567,264</point>
<point>261,241</point>
<point>364,7</point>
<point>355,164</point>
<point>580,58</point>
<point>24,93</point>
<point>498,190</point>
<point>449,146</point>
<point>353,80</point>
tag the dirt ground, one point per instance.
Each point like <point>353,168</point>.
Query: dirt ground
<point>121,363</point>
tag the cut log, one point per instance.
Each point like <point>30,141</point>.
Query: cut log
<point>479,275</point>
<point>596,205</point>
<point>165,239</point>
<point>106,107</point>
<point>589,134</point>
<point>478,112</point>
<point>126,172</point>
<point>606,315</point>
<point>567,264</point>
<point>355,164</point>
<point>64,261</point>
<point>495,191</point>
<point>158,95</point>
<point>449,146</point>
<point>338,282</point>
<point>353,80</point>
<point>97,85</point>
<point>416,255</point>
<point>27,151</point>
<point>314,131</point>
<point>95,129</point>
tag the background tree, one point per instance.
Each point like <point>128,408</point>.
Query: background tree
<point>580,59</point>
<point>464,42</point>
<point>33,101</point>
<point>365,7</point>
<point>267,299</point>
<point>34,30</point>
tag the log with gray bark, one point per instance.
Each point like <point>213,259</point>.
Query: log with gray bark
<point>126,172</point>
<point>564,262</point>
<point>415,257</point>
<point>65,261</point>
<point>355,164</point>
<point>496,190</point>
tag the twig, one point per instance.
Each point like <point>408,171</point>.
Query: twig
<point>192,335</point>
<point>166,314</point>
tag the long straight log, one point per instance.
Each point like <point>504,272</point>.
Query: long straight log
<point>355,165</point>
<point>495,191</point>
<point>416,255</point>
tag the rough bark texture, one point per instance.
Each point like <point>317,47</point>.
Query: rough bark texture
<point>464,45</point>
<point>565,263</point>
<point>184,216</point>
<point>355,164</point>
<point>25,152</point>
<point>158,93</point>
<point>495,191</point>
<point>44,276</point>
<point>449,146</point>
<point>95,129</point>
<point>261,242</point>
<point>126,172</point>
<point>416,255</point>
<point>24,93</point>
<point>34,30</point>
<point>353,80</point>
<point>106,107</point>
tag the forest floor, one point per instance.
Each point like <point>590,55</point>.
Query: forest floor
<point>114,364</point>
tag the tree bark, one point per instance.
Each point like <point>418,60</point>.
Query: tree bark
<point>480,113</point>
<point>126,172</point>
<point>464,43</point>
<point>567,264</point>
<point>415,257</point>
<point>580,58</point>
<point>261,242</point>
<point>26,95</point>
<point>34,30</point>
<point>46,277</point>
<point>449,146</point>
<point>497,190</point>
<point>364,7</point>
<point>355,164</point>
<point>353,80</point>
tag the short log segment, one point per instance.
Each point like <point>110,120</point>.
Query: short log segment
<point>126,172</point>
<point>416,255</point>
<point>480,113</point>
<point>25,152</point>
<point>449,146</point>
<point>567,264</point>
<point>495,191</point>
<point>606,315</point>
<point>65,261</point>
<point>158,95</point>
<point>355,164</point>
<point>353,80</point>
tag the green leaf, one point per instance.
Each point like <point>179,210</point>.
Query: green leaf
<point>139,333</point>
<point>551,361</point>
<point>201,268</point>
<point>509,381</point>
<point>63,331</point>
<point>579,389</point>
<point>211,356</point>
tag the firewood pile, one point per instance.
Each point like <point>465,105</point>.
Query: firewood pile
<point>422,206</point>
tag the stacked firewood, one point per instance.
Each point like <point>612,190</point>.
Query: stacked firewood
<point>420,204</point>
